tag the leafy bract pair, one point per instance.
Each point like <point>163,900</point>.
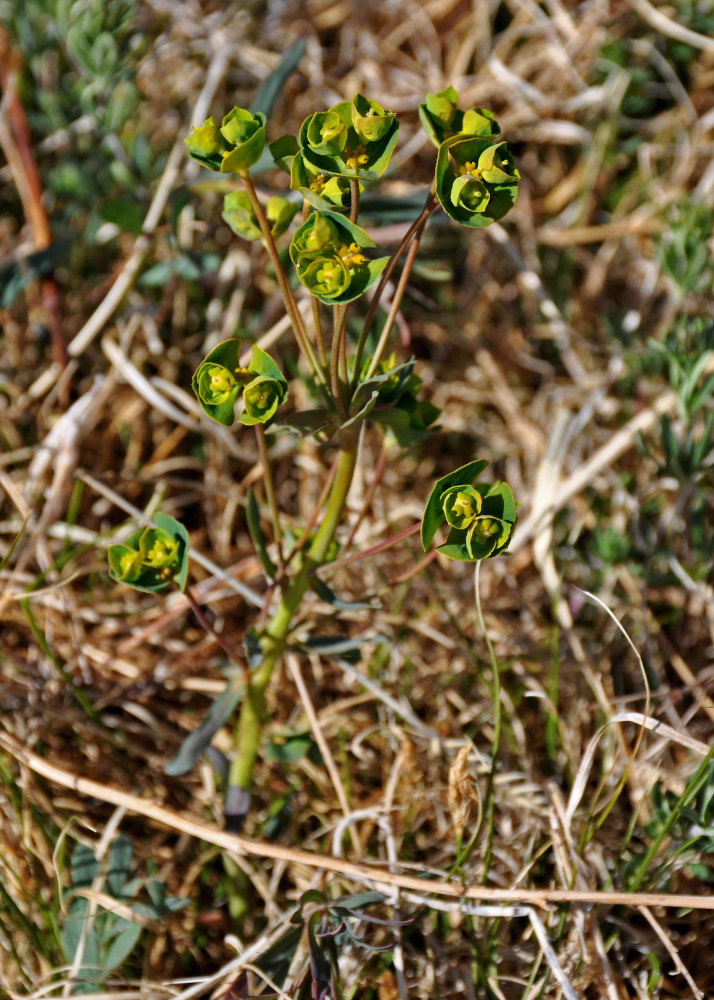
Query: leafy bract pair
<point>231,147</point>
<point>480,517</point>
<point>152,558</point>
<point>220,378</point>
<point>476,178</point>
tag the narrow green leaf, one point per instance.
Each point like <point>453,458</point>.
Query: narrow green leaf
<point>252,516</point>
<point>218,715</point>
<point>272,86</point>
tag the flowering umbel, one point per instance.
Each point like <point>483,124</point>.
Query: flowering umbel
<point>328,253</point>
<point>152,558</point>
<point>480,517</point>
<point>219,380</point>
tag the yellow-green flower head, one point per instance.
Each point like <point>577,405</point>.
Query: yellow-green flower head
<point>214,384</point>
<point>352,139</point>
<point>262,397</point>
<point>319,233</point>
<point>327,131</point>
<point>461,504</point>
<point>476,180</point>
<point>158,548</point>
<point>480,517</point>
<point>125,562</point>
<point>234,146</point>
<point>328,253</point>
<point>326,276</point>
<point>487,536</point>
<point>152,558</point>
<point>369,120</point>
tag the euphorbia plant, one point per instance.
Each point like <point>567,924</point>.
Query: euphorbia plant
<point>335,155</point>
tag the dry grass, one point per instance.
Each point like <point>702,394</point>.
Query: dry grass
<point>532,346</point>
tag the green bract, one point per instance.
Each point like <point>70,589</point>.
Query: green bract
<point>327,251</point>
<point>265,392</point>
<point>152,558</point>
<point>219,379</point>
<point>390,398</point>
<point>461,505</point>
<point>352,139</point>
<point>480,517</point>
<point>232,147</point>
<point>321,191</point>
<point>238,213</point>
<point>476,180</point>
<point>441,118</point>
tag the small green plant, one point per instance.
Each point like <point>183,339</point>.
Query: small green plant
<point>335,155</point>
<point>95,940</point>
<point>685,825</point>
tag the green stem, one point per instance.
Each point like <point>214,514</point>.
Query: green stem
<point>488,814</point>
<point>286,291</point>
<point>691,791</point>
<point>269,489</point>
<point>317,323</point>
<point>354,200</point>
<point>273,639</point>
<point>414,230</point>
<point>338,334</point>
<point>394,308</point>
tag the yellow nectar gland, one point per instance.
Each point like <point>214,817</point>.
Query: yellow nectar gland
<point>469,168</point>
<point>317,183</point>
<point>351,255</point>
<point>463,505</point>
<point>356,158</point>
<point>158,552</point>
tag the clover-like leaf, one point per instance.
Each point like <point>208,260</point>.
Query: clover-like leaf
<point>476,180</point>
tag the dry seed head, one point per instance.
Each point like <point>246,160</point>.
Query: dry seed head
<point>463,794</point>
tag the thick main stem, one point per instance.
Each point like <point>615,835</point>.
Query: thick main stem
<point>273,639</point>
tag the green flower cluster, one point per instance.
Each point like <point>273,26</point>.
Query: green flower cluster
<point>328,253</point>
<point>231,147</point>
<point>476,178</point>
<point>353,140</point>
<point>152,558</point>
<point>220,378</point>
<point>480,517</point>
